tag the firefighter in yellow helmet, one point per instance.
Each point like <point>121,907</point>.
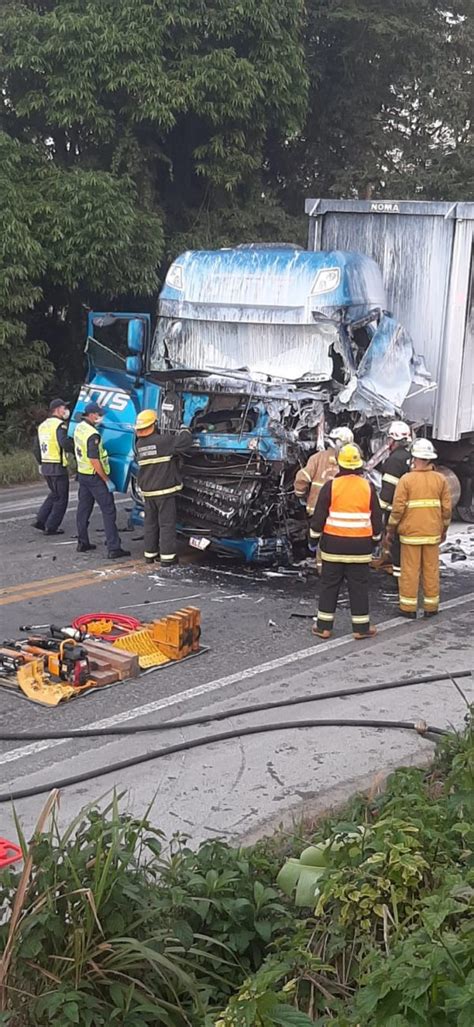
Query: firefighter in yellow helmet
<point>348,523</point>
<point>159,480</point>
<point>321,467</point>
<point>421,514</point>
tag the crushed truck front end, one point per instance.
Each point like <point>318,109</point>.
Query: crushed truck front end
<point>252,348</point>
<point>260,351</point>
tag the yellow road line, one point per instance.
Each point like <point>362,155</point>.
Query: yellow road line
<point>81,579</point>
<point>87,571</point>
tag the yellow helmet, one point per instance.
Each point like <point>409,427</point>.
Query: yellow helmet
<point>145,419</point>
<point>349,457</point>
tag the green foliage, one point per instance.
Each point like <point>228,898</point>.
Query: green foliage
<point>126,118</point>
<point>258,1003</point>
<point>390,102</point>
<point>73,229</point>
<point>109,925</point>
<point>216,892</point>
<point>136,129</point>
<point>428,978</point>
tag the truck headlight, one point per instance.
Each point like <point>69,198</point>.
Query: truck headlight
<point>174,278</point>
<point>327,279</point>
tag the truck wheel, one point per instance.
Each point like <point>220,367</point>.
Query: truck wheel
<point>453,482</point>
<point>465,505</point>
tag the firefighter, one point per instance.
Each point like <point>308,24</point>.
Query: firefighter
<point>396,464</point>
<point>159,481</point>
<point>50,448</point>
<point>95,484</point>
<point>348,523</point>
<point>321,467</point>
<point>421,514</point>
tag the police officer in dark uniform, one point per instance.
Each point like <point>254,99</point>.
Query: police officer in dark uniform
<point>396,465</point>
<point>51,446</point>
<point>95,484</point>
<point>159,481</point>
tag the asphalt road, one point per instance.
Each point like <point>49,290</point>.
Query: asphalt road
<point>257,650</point>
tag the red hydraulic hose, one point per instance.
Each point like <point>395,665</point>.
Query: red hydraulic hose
<point>121,623</point>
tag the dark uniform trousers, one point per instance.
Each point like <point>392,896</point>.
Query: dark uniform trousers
<point>396,465</point>
<point>160,527</point>
<point>93,490</point>
<point>52,511</point>
<point>357,577</point>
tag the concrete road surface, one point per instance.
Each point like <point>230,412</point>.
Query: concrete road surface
<point>258,652</point>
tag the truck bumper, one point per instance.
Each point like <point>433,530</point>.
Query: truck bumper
<point>276,549</point>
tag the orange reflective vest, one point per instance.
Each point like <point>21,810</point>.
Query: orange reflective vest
<point>349,514</point>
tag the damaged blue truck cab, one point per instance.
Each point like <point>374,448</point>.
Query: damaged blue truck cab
<point>259,350</point>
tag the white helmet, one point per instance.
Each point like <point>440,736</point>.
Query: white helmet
<point>399,430</point>
<point>341,435</point>
<point>423,449</point>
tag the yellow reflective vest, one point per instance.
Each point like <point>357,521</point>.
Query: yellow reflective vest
<point>83,432</point>
<point>51,452</point>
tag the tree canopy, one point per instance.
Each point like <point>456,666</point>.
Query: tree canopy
<point>133,129</point>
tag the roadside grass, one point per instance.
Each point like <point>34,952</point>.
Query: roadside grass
<point>17,467</point>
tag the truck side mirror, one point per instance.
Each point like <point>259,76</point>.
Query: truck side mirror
<point>133,366</point>
<point>136,336</point>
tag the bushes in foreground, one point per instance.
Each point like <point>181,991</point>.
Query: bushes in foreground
<point>106,924</point>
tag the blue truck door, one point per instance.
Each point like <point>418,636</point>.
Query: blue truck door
<point>116,351</point>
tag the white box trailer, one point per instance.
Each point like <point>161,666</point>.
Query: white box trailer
<point>425,252</point>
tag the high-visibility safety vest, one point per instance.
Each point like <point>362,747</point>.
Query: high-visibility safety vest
<point>82,434</point>
<point>349,514</point>
<point>51,452</point>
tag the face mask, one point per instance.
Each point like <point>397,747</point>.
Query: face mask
<point>66,414</point>
<point>98,421</point>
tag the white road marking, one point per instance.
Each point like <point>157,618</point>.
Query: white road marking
<point>219,683</point>
<point>159,602</point>
<point>37,503</point>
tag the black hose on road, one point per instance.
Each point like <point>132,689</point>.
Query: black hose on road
<point>223,736</point>
<point>135,729</point>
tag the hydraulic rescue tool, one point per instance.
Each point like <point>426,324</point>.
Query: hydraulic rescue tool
<point>96,651</point>
<point>64,659</point>
<point>67,632</point>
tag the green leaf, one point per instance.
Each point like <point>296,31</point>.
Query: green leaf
<point>70,1011</point>
<point>287,1016</point>
<point>184,933</point>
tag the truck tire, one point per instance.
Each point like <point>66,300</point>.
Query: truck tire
<point>454,484</point>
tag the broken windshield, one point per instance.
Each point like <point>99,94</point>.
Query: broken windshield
<point>289,352</point>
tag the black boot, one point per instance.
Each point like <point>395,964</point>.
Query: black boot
<point>85,547</point>
<point>116,554</point>
<point>407,614</point>
<point>55,531</point>
<point>431,613</point>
